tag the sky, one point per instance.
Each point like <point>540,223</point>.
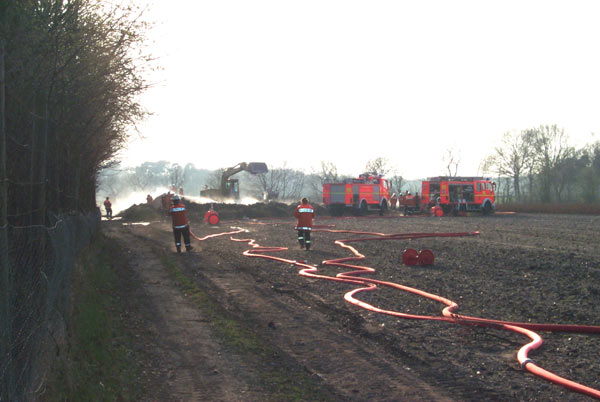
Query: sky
<point>295,83</point>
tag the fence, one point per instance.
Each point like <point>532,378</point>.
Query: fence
<point>35,274</point>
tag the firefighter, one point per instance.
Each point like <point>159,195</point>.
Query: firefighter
<point>149,199</point>
<point>181,225</point>
<point>108,207</point>
<point>394,200</point>
<point>305,214</point>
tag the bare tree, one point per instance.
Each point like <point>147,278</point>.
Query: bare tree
<point>137,179</point>
<point>292,183</point>
<point>397,181</point>
<point>551,149</point>
<point>214,180</point>
<point>590,176</point>
<point>176,176</point>
<point>327,173</point>
<point>452,161</point>
<point>281,183</point>
<point>379,165</point>
<point>269,183</point>
<point>509,159</point>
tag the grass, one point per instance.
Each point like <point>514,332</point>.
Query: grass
<point>280,380</point>
<point>98,364</point>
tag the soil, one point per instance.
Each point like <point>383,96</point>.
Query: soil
<point>522,267</point>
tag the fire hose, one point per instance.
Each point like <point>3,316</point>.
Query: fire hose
<point>449,313</point>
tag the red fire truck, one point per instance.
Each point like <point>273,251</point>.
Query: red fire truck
<point>369,191</point>
<point>455,195</point>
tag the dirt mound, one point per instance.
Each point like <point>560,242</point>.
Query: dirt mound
<point>140,212</point>
<point>239,211</point>
<point>145,212</point>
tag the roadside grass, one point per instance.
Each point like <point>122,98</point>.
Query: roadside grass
<point>279,379</point>
<point>98,363</point>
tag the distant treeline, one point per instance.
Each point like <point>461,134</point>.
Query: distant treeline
<point>533,166</point>
<point>539,166</point>
<point>280,183</point>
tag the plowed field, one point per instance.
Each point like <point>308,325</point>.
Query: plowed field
<point>521,267</point>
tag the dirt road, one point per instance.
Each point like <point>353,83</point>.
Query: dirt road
<point>522,267</point>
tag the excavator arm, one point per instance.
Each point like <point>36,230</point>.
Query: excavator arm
<point>251,167</point>
<point>229,187</point>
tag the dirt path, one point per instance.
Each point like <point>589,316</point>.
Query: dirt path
<point>192,365</point>
<point>187,362</point>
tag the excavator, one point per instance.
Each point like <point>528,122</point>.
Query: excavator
<point>230,188</point>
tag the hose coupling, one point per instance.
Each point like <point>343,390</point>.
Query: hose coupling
<point>524,362</point>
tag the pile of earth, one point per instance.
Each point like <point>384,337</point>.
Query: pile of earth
<point>146,212</point>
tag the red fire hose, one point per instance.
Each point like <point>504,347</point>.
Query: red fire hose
<point>354,276</point>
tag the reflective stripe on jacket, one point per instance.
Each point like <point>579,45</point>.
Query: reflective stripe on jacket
<point>305,214</point>
<point>178,216</point>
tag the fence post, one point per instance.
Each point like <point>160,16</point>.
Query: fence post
<point>5,288</point>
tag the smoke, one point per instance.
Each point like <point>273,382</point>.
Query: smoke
<point>206,200</point>
<point>122,201</point>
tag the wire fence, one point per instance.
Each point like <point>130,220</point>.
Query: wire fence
<point>37,263</point>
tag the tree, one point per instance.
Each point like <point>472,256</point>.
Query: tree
<point>328,173</point>
<point>509,159</point>
<point>396,183</point>
<point>214,179</point>
<point>378,165</point>
<point>73,79</point>
<point>176,177</point>
<point>452,160</point>
<point>551,150</point>
<point>589,178</point>
<point>292,184</point>
<point>71,73</point>
<point>530,164</point>
<point>281,183</point>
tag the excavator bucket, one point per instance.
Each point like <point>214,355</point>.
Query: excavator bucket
<point>257,167</point>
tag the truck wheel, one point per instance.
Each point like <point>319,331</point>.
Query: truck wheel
<point>337,210</point>
<point>383,208</point>
<point>363,208</point>
<point>487,208</point>
<point>447,209</point>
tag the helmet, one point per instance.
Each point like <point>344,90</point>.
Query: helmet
<point>176,197</point>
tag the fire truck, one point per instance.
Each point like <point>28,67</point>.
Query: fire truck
<point>368,192</point>
<point>454,195</point>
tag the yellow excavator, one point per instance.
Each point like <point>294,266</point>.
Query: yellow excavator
<point>230,188</point>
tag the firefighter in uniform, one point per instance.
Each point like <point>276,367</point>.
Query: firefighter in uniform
<point>108,207</point>
<point>305,214</point>
<point>181,225</point>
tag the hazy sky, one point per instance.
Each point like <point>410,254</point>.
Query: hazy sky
<point>300,82</point>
